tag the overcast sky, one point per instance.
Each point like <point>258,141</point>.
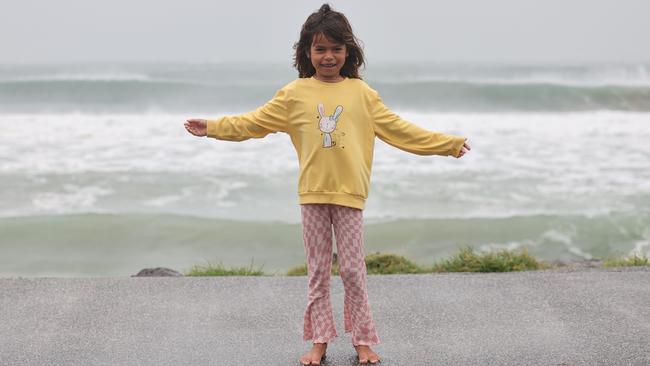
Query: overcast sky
<point>210,30</point>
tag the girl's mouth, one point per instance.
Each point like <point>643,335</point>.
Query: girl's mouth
<point>329,66</point>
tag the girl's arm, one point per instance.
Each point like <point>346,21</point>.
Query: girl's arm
<point>404,135</point>
<point>269,118</point>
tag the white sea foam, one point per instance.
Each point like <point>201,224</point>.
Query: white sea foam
<point>73,198</point>
<point>78,143</point>
<point>642,247</point>
<point>512,245</point>
<point>566,236</point>
<point>573,249</point>
<point>163,200</point>
<point>521,164</point>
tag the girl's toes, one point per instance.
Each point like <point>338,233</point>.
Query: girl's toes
<point>305,359</point>
<point>374,359</point>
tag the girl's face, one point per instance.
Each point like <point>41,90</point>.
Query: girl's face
<point>327,58</point>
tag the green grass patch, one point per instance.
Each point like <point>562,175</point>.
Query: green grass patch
<point>302,270</point>
<point>220,270</point>
<point>376,263</point>
<point>298,271</point>
<point>629,261</point>
<point>466,260</point>
<point>387,263</point>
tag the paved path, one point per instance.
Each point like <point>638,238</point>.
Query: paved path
<point>590,317</point>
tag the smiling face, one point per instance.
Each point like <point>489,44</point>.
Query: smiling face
<point>327,58</point>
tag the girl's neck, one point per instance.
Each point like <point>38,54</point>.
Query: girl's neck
<point>334,79</point>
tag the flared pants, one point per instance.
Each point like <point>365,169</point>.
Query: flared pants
<point>317,223</point>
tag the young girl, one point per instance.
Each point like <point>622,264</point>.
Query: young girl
<point>332,117</point>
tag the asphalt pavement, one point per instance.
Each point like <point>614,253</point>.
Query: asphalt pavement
<point>586,317</point>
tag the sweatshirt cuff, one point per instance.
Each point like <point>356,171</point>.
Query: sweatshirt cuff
<point>212,128</point>
<point>459,141</point>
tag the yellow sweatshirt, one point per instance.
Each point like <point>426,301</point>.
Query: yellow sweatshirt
<point>333,127</point>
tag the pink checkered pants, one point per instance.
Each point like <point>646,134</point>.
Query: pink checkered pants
<point>317,222</point>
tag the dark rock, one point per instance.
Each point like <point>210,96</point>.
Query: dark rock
<point>589,263</point>
<point>557,263</point>
<point>158,272</point>
<point>576,263</point>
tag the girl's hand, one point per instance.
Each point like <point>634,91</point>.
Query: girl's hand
<point>197,127</point>
<point>464,149</point>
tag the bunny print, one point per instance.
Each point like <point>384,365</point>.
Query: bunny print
<point>327,124</point>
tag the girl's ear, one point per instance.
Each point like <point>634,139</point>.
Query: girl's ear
<point>321,110</point>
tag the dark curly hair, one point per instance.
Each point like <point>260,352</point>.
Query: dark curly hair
<point>336,28</point>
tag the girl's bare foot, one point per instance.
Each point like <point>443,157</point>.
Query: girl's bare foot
<point>366,354</point>
<point>314,356</point>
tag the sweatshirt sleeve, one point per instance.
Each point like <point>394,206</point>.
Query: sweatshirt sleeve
<point>404,135</point>
<point>269,118</point>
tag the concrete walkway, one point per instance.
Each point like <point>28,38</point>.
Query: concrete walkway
<point>588,317</point>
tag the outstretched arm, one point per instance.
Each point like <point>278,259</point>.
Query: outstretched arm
<point>269,118</point>
<point>404,135</point>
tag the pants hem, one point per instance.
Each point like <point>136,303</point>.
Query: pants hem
<point>320,340</point>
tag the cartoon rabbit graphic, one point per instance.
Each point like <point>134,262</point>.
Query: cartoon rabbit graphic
<point>327,124</point>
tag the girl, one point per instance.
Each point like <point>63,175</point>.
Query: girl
<point>332,117</point>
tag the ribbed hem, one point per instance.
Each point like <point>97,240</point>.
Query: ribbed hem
<point>459,141</point>
<point>337,198</point>
<point>212,128</point>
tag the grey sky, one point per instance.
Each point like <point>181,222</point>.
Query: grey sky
<point>203,30</point>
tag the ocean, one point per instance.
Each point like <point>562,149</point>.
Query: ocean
<point>98,176</point>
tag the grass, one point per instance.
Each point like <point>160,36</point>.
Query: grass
<point>386,263</point>
<point>629,261</point>
<point>376,263</point>
<point>465,260</point>
<point>220,270</point>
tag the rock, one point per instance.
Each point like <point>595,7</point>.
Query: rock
<point>557,263</point>
<point>576,263</point>
<point>590,263</point>
<point>158,272</point>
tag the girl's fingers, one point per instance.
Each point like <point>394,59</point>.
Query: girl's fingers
<point>190,129</point>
